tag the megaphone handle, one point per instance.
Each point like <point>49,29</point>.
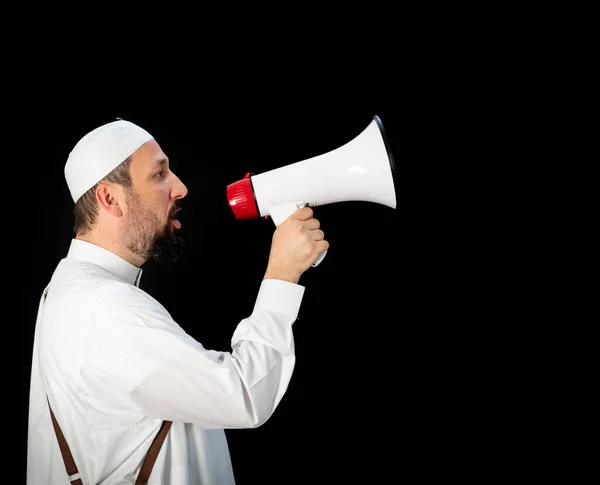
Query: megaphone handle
<point>281,212</point>
<point>319,258</point>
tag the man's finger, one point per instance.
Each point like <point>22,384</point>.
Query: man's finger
<point>304,213</point>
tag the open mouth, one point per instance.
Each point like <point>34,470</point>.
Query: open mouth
<point>174,221</point>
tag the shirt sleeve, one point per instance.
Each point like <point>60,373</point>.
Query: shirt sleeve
<point>138,357</point>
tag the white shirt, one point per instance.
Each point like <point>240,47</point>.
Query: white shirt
<point>114,365</point>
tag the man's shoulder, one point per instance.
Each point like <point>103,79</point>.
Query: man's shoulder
<point>88,284</point>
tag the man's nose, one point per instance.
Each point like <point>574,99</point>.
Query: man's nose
<point>178,189</point>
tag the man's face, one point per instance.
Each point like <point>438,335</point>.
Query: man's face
<point>151,229</point>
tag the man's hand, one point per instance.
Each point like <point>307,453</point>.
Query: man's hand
<point>296,244</point>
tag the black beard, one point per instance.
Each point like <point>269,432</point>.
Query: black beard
<point>167,247</point>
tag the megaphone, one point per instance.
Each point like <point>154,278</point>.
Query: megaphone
<point>361,170</point>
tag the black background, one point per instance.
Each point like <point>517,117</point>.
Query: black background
<point>417,333</point>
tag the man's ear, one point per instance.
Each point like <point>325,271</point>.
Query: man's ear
<point>109,196</point>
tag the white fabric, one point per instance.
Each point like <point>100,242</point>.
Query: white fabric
<point>99,152</point>
<point>114,364</point>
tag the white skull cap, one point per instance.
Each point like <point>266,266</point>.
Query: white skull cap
<point>99,152</point>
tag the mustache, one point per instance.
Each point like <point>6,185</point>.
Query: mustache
<point>177,206</point>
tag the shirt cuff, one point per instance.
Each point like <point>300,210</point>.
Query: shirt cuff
<point>280,296</point>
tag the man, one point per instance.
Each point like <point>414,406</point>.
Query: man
<point>111,370</point>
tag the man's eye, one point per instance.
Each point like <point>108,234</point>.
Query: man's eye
<point>160,174</point>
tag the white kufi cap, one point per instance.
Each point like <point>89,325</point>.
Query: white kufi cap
<point>99,152</point>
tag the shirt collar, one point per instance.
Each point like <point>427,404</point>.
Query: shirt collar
<point>105,259</point>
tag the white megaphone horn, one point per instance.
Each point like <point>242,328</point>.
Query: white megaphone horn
<point>361,170</point>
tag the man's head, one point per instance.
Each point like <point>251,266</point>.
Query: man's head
<point>125,194</point>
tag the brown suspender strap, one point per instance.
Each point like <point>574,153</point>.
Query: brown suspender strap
<point>146,469</point>
<point>72,471</point>
<point>147,464</point>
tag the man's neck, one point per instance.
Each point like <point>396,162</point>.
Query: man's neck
<point>112,245</point>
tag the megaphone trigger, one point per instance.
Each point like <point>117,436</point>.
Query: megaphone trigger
<point>280,213</point>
